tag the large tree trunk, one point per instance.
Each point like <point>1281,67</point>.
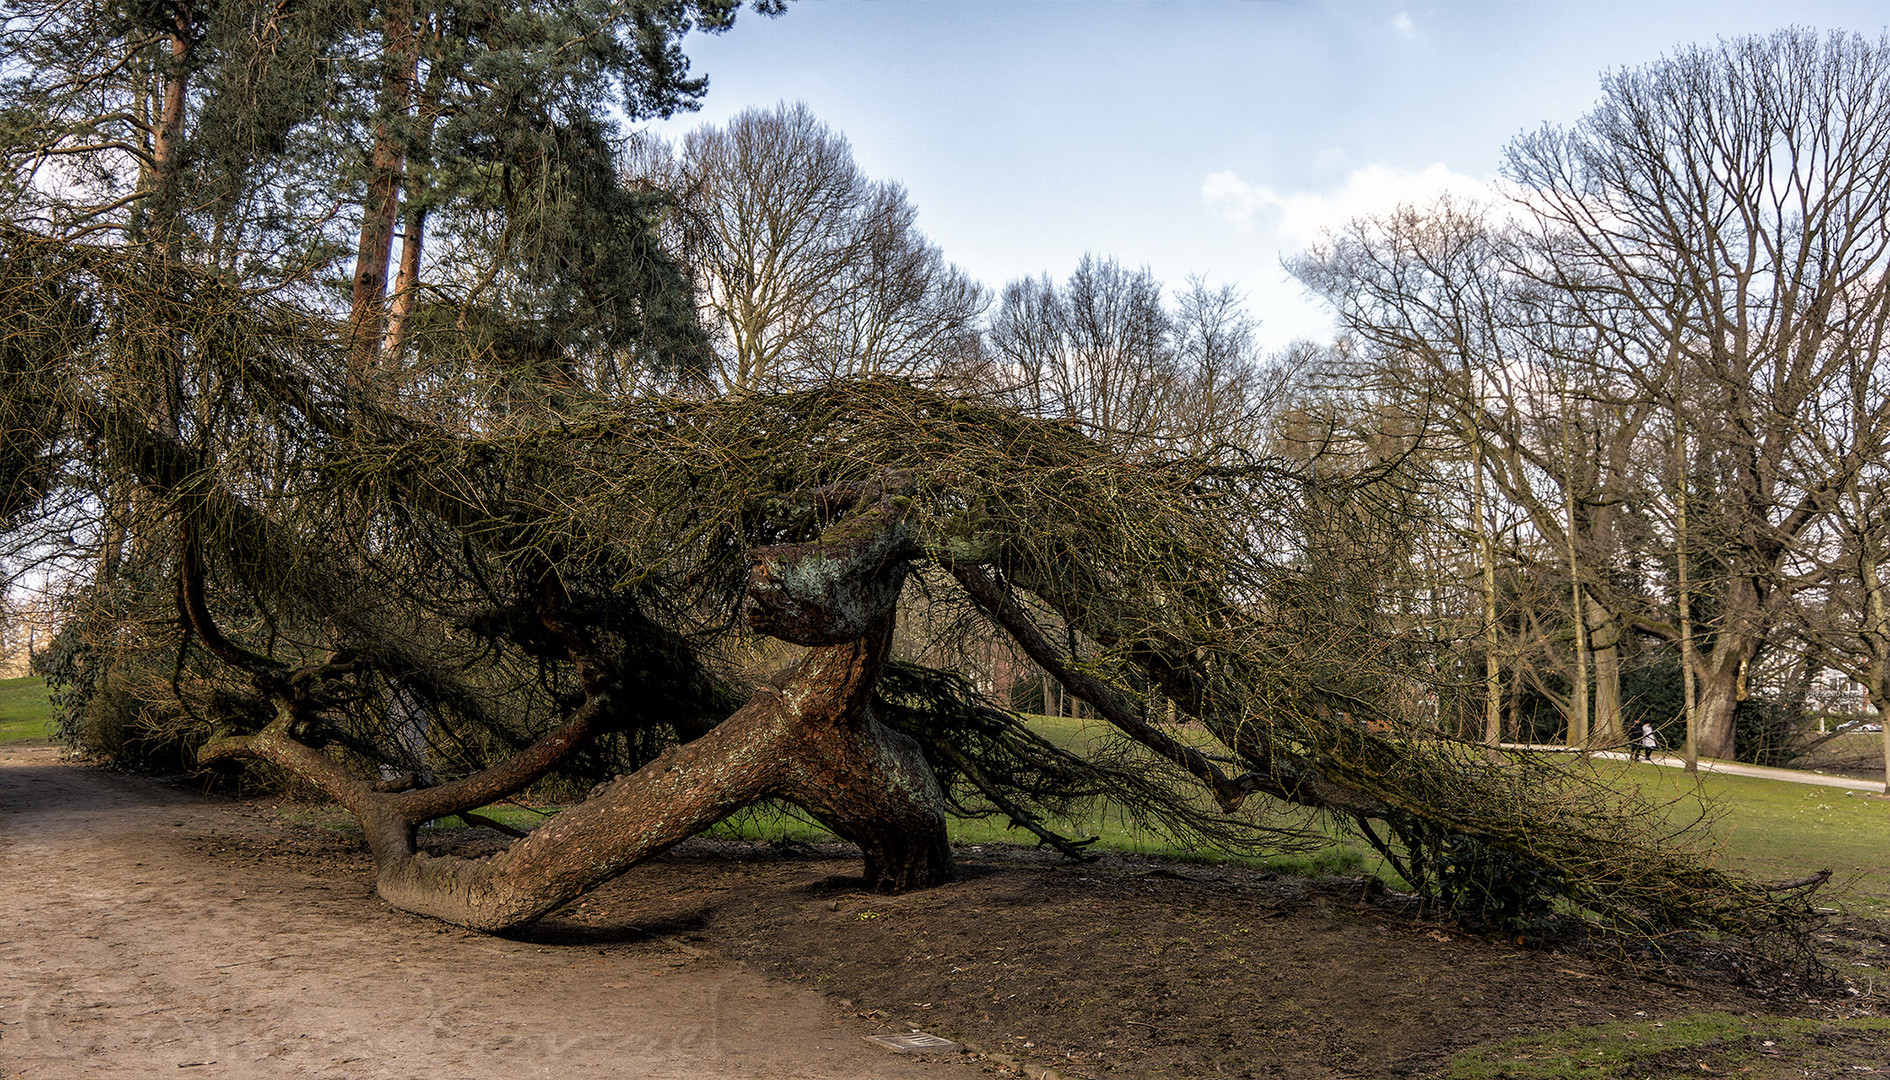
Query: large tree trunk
<point>1718,689</point>
<point>1719,673</point>
<point>400,306</point>
<point>809,738</point>
<point>406,295</point>
<point>159,205</point>
<point>1604,638</point>
<point>380,208</point>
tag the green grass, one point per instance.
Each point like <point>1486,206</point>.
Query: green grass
<point>1774,830</point>
<point>26,715</point>
<point>518,817</point>
<point>1112,828</point>
<point>1709,1044</point>
<point>334,819</point>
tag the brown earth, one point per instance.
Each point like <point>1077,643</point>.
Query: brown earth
<point>149,930</point>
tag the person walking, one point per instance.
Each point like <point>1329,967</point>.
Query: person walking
<point>1646,743</point>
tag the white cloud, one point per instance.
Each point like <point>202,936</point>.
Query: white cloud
<point>1298,218</point>
<point>1234,199</point>
<point>1403,25</point>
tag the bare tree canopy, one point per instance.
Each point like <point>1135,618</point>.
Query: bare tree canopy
<point>806,269</point>
<point>1105,351</point>
<point>1666,352</point>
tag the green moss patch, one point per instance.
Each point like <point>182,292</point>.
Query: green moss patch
<point>1700,1044</point>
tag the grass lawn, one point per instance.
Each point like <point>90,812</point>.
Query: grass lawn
<point>1778,831</point>
<point>26,716</point>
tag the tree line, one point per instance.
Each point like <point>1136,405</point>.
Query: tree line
<point>1655,375</point>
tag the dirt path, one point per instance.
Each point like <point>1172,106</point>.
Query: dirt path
<point>149,932</point>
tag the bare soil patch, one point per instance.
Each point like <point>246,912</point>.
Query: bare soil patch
<point>1141,970</point>
<point>149,929</point>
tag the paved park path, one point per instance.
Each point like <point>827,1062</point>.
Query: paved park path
<point>145,931</point>
<point>1766,772</point>
<point>1727,768</point>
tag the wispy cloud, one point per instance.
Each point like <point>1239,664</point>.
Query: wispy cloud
<point>1403,25</point>
<point>1298,218</point>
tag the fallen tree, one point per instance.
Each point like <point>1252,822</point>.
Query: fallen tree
<point>539,589</point>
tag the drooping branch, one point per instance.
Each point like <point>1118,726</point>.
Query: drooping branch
<point>1010,615</point>
<point>276,745</point>
<point>1018,816</point>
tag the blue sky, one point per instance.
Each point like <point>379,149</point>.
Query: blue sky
<point>1210,138</point>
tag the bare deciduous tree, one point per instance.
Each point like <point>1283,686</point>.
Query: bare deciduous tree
<point>806,268</point>
<point>1104,350</point>
<point>1726,212</point>
<point>1707,253</point>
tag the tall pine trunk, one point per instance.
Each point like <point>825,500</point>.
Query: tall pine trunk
<point>367,313</point>
<point>406,290</point>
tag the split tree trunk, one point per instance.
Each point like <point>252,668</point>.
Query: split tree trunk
<point>809,738</point>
